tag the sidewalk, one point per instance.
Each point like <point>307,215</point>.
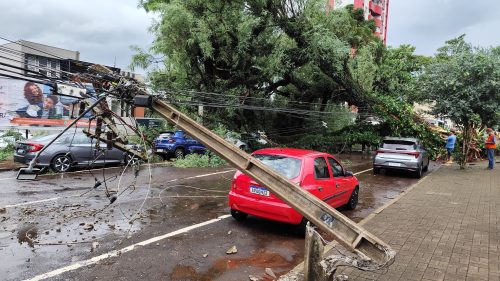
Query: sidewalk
<point>446,228</point>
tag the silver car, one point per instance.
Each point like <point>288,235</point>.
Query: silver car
<point>70,150</point>
<point>401,154</point>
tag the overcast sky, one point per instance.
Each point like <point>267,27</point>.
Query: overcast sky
<point>427,24</point>
<point>103,30</point>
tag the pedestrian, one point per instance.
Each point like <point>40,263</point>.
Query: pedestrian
<point>450,144</point>
<point>490,145</point>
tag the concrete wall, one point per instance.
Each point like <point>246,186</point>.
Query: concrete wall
<point>11,53</point>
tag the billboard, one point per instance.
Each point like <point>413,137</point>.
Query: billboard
<point>29,104</point>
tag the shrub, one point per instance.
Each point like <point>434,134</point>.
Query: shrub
<point>200,161</point>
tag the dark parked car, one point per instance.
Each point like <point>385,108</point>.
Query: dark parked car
<point>70,150</point>
<point>177,144</point>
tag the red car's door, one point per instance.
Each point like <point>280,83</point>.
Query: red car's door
<point>323,181</point>
<point>342,185</point>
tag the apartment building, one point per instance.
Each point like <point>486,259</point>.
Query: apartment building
<point>376,10</point>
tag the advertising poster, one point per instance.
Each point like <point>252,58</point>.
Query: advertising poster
<point>29,104</point>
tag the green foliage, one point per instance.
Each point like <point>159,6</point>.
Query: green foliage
<point>200,161</point>
<point>285,54</point>
<point>464,83</point>
<point>268,50</point>
<point>401,121</point>
<point>7,152</point>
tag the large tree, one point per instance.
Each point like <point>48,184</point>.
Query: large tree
<point>463,82</point>
<point>282,53</point>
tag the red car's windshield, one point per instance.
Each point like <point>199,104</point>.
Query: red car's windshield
<point>286,166</point>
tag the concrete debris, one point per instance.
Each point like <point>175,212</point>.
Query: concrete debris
<point>229,232</point>
<point>3,210</point>
<point>88,226</point>
<point>95,245</point>
<point>341,277</point>
<point>232,250</point>
<point>28,211</point>
<point>270,272</point>
<point>205,255</point>
<point>253,278</point>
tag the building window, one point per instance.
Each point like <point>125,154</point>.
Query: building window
<point>43,65</point>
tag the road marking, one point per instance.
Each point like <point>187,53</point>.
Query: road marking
<point>32,202</point>
<point>363,171</point>
<point>201,176</point>
<point>57,198</point>
<point>117,253</point>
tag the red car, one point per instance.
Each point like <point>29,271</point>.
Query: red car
<point>319,173</point>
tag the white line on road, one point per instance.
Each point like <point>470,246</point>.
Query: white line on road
<point>363,171</point>
<point>201,176</point>
<point>32,202</point>
<point>57,198</point>
<point>116,253</point>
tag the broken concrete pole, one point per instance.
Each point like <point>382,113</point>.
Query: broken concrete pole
<point>313,271</point>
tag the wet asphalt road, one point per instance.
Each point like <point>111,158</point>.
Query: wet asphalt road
<point>57,224</point>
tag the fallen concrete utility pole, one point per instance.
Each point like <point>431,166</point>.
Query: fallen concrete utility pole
<point>345,231</point>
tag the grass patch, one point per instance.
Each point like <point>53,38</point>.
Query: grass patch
<point>200,161</point>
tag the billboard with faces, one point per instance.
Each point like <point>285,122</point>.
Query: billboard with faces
<point>29,104</point>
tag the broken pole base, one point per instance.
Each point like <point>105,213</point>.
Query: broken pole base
<point>313,271</point>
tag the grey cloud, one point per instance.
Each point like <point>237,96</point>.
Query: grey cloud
<point>427,24</point>
<point>104,29</point>
<point>100,30</point>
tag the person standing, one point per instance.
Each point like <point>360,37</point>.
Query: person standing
<point>450,144</point>
<point>491,145</point>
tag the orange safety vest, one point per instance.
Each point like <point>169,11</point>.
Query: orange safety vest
<point>489,141</point>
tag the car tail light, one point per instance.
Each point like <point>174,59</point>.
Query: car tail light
<point>34,147</point>
<point>416,154</point>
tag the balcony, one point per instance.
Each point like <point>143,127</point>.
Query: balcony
<point>375,9</point>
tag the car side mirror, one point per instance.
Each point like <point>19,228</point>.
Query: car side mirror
<point>348,174</point>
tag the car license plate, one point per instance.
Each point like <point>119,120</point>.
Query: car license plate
<point>159,150</point>
<point>259,190</point>
<point>394,164</point>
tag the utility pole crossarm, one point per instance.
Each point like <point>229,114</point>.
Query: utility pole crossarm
<point>345,231</point>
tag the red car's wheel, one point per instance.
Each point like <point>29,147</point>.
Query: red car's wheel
<point>353,200</point>
<point>239,216</point>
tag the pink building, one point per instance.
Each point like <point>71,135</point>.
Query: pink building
<point>377,10</point>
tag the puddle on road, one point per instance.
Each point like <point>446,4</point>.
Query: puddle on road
<point>28,234</point>
<point>261,259</point>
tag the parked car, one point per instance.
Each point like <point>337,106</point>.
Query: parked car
<point>70,150</point>
<point>177,144</point>
<point>401,154</point>
<point>319,173</point>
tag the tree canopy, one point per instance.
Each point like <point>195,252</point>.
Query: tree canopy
<point>286,53</point>
<point>464,83</point>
